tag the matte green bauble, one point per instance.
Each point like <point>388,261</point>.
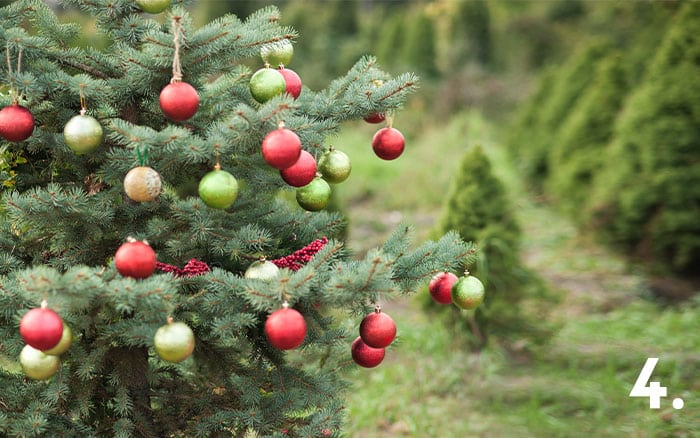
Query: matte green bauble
<point>468,292</point>
<point>63,344</point>
<point>153,6</point>
<point>174,341</point>
<point>267,83</point>
<point>315,195</point>
<point>278,53</point>
<point>82,134</point>
<point>262,270</point>
<point>334,166</point>
<point>218,189</point>
<point>36,364</point>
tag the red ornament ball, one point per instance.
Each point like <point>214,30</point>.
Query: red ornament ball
<point>16,123</point>
<point>375,118</point>
<point>285,328</point>
<point>302,172</point>
<point>41,328</point>
<point>440,287</point>
<point>377,329</point>
<point>179,101</point>
<point>281,148</point>
<point>388,143</point>
<point>135,259</point>
<point>293,81</point>
<point>364,355</point>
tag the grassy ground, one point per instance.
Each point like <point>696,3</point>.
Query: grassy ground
<point>430,385</point>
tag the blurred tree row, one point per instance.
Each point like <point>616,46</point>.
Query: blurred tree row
<point>613,134</point>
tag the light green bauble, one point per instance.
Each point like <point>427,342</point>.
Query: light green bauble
<point>334,166</point>
<point>36,364</point>
<point>262,270</point>
<point>82,134</point>
<point>63,344</point>
<point>174,341</point>
<point>153,6</point>
<point>468,292</point>
<point>267,83</point>
<point>315,195</point>
<point>278,53</point>
<point>218,189</point>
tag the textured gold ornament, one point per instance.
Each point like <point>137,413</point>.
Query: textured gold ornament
<point>142,184</point>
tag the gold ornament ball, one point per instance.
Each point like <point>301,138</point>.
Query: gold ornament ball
<point>142,184</point>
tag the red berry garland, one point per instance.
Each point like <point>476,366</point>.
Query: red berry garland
<point>193,268</point>
<point>301,257</point>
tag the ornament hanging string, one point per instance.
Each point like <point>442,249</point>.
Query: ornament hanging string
<point>83,102</point>
<point>177,33</point>
<point>142,157</point>
<point>13,92</point>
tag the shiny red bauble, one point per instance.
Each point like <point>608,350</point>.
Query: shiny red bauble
<point>440,287</point>
<point>375,118</point>
<point>179,101</point>
<point>285,328</point>
<point>41,328</point>
<point>388,143</point>
<point>16,123</point>
<point>135,259</point>
<point>292,80</point>
<point>302,172</point>
<point>281,148</point>
<point>364,355</point>
<point>377,329</point>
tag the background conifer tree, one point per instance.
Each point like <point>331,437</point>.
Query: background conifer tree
<point>576,155</point>
<point>648,200</point>
<point>479,209</point>
<point>66,215</point>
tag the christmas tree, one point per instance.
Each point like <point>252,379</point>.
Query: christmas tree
<point>237,316</point>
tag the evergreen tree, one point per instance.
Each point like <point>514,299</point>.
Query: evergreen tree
<point>577,155</point>
<point>418,44</point>
<point>648,198</point>
<point>570,82</point>
<point>66,216</point>
<point>479,209</point>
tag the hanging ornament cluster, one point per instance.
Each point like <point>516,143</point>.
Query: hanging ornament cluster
<point>466,292</point>
<point>377,331</point>
<point>46,338</point>
<point>282,149</point>
<point>274,78</point>
<point>16,121</point>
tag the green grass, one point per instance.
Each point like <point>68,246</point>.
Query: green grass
<point>578,383</point>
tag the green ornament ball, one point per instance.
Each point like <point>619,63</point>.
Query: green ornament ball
<point>267,83</point>
<point>278,53</point>
<point>315,195</point>
<point>334,166</point>
<point>262,270</point>
<point>36,364</point>
<point>153,6</point>
<point>63,344</point>
<point>468,292</point>
<point>82,134</point>
<point>174,341</point>
<point>218,189</point>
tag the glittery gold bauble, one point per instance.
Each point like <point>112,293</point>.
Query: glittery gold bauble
<point>142,184</point>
